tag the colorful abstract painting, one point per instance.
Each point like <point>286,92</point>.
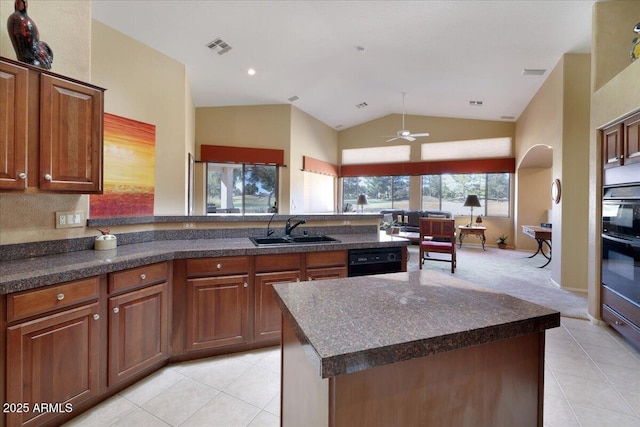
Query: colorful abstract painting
<point>129,169</point>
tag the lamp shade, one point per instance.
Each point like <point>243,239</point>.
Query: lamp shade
<point>472,200</point>
<point>362,200</point>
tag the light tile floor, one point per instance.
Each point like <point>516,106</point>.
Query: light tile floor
<point>592,379</point>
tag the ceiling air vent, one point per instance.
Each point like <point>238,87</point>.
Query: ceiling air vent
<point>507,117</point>
<point>476,103</point>
<point>219,46</point>
<point>533,72</point>
<point>294,98</point>
<point>361,105</point>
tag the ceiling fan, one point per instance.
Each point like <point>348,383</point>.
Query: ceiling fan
<point>405,134</point>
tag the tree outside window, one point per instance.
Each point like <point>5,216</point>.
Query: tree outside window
<point>239,188</point>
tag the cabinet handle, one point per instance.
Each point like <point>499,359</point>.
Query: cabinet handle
<point>246,285</point>
<point>47,177</point>
<point>143,276</point>
<point>116,310</point>
<point>618,323</point>
<point>22,175</point>
<point>219,266</point>
<point>96,316</point>
<point>60,297</point>
<point>297,279</point>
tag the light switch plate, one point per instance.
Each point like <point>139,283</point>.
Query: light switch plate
<point>69,219</point>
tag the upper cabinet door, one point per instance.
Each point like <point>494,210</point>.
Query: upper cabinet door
<point>632,139</point>
<point>71,136</point>
<point>612,146</point>
<point>13,126</point>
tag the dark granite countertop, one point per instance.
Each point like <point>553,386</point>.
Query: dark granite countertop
<point>357,323</point>
<point>30,273</point>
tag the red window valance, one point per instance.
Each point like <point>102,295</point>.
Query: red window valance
<point>227,154</point>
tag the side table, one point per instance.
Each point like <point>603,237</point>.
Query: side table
<point>464,230</point>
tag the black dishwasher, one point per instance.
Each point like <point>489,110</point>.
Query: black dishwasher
<point>363,262</point>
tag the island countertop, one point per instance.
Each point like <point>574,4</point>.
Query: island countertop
<point>353,324</point>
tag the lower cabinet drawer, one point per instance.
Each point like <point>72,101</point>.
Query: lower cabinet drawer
<point>29,303</point>
<point>622,325</point>
<point>222,266</point>
<point>139,276</point>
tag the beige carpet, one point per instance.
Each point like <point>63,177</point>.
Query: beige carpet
<point>512,273</point>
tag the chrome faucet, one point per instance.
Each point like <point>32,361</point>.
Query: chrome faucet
<point>288,228</point>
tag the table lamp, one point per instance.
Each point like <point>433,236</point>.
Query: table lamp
<point>473,202</point>
<point>362,200</point>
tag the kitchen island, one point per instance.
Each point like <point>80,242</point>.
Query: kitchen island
<point>418,348</point>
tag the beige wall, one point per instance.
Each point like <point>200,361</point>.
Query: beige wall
<point>558,116</point>
<point>66,27</point>
<point>615,95</point>
<point>146,85</point>
<point>310,137</point>
<point>257,126</point>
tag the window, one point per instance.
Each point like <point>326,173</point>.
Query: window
<point>449,191</point>
<point>241,188</point>
<point>383,192</point>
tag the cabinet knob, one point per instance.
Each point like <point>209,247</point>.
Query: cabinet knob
<point>246,285</point>
<point>297,279</point>
<point>143,276</point>
<point>309,278</point>
<point>619,323</point>
<point>96,316</point>
<point>47,177</point>
<point>219,266</point>
<point>60,297</point>
<point>22,175</point>
<point>116,310</point>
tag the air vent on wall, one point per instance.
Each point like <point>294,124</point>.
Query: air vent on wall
<point>533,72</point>
<point>219,46</point>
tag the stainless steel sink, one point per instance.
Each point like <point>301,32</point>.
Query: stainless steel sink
<point>267,241</point>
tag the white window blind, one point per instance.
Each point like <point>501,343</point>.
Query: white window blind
<point>471,149</point>
<point>360,156</point>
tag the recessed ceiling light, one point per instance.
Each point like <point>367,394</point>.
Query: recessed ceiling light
<point>251,72</point>
<point>476,103</point>
<point>533,72</point>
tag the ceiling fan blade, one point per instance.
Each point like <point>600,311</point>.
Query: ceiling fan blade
<point>420,134</point>
<point>392,139</point>
<point>409,138</point>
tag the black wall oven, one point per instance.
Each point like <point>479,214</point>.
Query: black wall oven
<point>621,259</point>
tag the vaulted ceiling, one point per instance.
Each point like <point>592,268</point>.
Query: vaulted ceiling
<point>348,62</point>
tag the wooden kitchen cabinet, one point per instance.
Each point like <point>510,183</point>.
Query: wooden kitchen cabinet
<point>272,269</point>
<point>13,137</point>
<point>138,313</point>
<point>217,311</point>
<point>53,359</point>
<point>138,331</point>
<point>54,138</point>
<point>612,146</point>
<point>621,142</point>
<point>632,139</point>
<point>326,265</point>
<point>217,302</point>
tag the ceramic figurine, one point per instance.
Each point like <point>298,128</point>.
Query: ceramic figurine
<point>635,50</point>
<point>26,40</point>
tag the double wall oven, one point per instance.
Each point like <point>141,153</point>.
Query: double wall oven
<point>621,259</point>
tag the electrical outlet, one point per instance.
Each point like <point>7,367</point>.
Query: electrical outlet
<point>69,219</point>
